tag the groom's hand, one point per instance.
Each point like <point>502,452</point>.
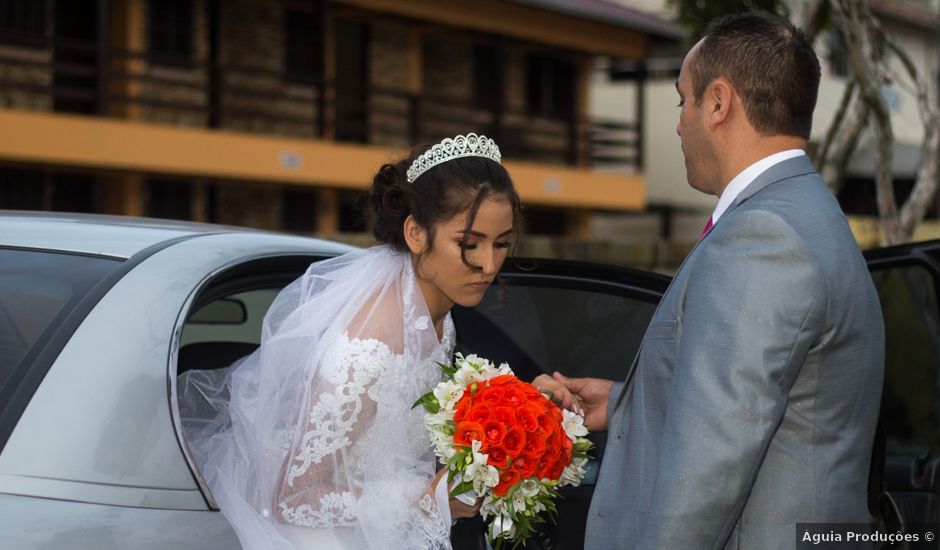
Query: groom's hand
<point>593,393</point>
<point>558,393</point>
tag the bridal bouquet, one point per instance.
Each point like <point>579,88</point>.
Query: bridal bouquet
<point>503,440</point>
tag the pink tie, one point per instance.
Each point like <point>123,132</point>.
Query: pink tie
<point>706,229</point>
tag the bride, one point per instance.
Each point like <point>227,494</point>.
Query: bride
<point>311,441</point>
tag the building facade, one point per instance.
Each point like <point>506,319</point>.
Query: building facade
<point>275,113</point>
<point>676,211</point>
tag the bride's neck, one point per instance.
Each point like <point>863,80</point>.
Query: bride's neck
<point>438,305</point>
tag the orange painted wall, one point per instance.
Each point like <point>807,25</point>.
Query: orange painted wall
<point>66,140</point>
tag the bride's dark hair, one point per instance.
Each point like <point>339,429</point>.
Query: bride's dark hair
<point>444,191</point>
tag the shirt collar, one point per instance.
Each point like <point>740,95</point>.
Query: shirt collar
<point>748,175</point>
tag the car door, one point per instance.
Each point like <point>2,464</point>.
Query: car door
<point>906,279</point>
<point>575,318</point>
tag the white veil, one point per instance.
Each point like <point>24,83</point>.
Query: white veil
<point>311,442</point>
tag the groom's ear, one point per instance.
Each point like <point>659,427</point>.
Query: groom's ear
<point>720,94</point>
<point>416,237</point>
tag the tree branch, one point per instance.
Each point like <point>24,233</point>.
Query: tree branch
<point>863,39</point>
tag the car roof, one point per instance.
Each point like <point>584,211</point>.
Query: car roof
<point>101,235</point>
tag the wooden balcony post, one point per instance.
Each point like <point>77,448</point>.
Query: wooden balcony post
<point>327,211</point>
<point>123,194</point>
<point>415,85</point>
<point>102,56</point>
<point>127,38</point>
<point>214,65</point>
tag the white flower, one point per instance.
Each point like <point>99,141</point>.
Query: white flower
<point>529,488</point>
<point>482,475</point>
<point>448,393</point>
<point>573,425</point>
<point>573,473</point>
<point>504,369</point>
<point>466,375</point>
<point>518,501</point>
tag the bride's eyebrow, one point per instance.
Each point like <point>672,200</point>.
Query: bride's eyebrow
<point>483,235</point>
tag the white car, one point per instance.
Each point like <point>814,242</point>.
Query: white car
<point>98,315</point>
<point>93,311</point>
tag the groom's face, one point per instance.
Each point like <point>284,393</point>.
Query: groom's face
<point>696,144</point>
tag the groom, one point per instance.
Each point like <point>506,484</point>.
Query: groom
<point>752,403</point>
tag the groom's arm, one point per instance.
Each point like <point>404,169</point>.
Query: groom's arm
<point>753,306</point>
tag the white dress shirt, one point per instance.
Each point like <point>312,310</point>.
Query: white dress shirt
<point>748,175</point>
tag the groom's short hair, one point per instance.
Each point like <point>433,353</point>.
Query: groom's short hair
<point>771,66</point>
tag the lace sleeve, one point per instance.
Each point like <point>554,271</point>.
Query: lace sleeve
<point>325,483</point>
<point>321,479</point>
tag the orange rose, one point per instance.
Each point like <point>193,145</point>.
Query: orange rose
<point>491,395</point>
<point>547,423</point>
<point>480,412</point>
<point>544,468</point>
<point>468,432</point>
<point>506,480</point>
<point>514,441</point>
<point>535,444</point>
<point>496,456</point>
<point>494,432</point>
<point>527,418</point>
<point>557,469</point>
<point>503,379</point>
<point>515,395</point>
<point>525,466</point>
<point>504,415</point>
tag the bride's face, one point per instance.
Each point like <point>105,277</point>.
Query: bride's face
<point>446,279</point>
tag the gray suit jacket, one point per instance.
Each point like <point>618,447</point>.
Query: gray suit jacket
<point>753,399</point>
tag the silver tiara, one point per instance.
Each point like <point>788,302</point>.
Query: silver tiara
<point>470,145</point>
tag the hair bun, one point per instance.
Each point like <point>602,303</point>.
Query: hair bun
<point>389,204</point>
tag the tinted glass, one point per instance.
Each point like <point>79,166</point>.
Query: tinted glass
<point>37,292</point>
<point>543,329</point>
<point>911,400</point>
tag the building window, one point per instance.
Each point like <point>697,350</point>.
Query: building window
<point>170,199</point>
<point>73,193</point>
<point>299,210</point>
<point>171,32</point>
<point>21,189</point>
<point>550,87</point>
<point>23,22</point>
<point>487,81</point>
<point>302,54</point>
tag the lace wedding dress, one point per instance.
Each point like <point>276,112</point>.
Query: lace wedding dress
<point>311,441</point>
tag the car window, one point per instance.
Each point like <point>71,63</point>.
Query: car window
<point>911,398</point>
<point>540,328</point>
<point>233,318</point>
<point>38,290</point>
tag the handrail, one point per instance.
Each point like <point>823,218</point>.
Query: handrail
<point>116,76</point>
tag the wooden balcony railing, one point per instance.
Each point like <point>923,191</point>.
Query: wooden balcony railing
<point>43,73</point>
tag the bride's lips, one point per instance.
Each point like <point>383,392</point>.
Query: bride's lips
<point>483,285</point>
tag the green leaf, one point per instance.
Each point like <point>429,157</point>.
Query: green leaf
<point>429,402</point>
<point>449,370</point>
<point>461,488</point>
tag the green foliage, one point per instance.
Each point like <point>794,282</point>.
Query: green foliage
<point>696,15</point>
<point>429,402</point>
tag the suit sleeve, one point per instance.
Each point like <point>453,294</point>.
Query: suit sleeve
<point>754,304</point>
<point>615,390</point>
